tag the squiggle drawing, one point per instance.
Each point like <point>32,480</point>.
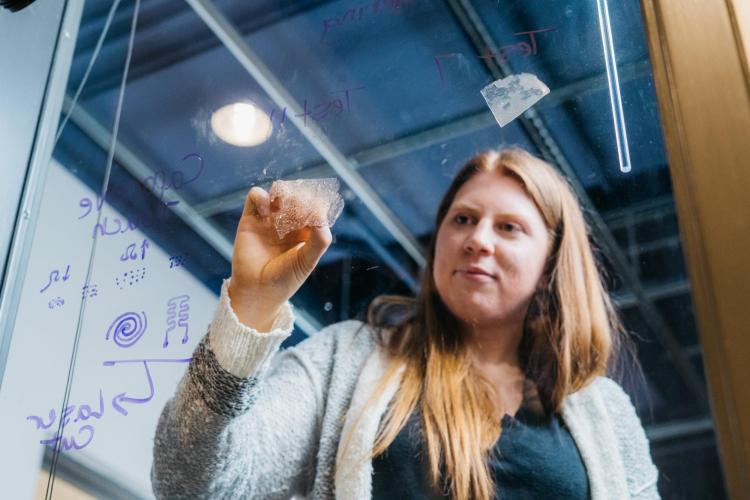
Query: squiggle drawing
<point>127,328</point>
<point>181,316</point>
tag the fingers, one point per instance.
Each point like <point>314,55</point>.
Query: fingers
<point>315,246</point>
<point>257,203</point>
<point>316,239</point>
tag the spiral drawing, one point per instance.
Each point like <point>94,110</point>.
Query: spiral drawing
<point>127,329</point>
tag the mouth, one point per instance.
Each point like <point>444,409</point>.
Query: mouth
<point>475,273</point>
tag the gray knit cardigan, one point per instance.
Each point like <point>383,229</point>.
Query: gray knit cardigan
<point>248,421</point>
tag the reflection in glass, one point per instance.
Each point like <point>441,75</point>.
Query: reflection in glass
<point>144,197</point>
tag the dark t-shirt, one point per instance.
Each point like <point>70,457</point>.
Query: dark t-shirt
<point>535,458</point>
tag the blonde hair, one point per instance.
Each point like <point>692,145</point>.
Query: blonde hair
<point>570,333</point>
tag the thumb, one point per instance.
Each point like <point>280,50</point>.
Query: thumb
<point>315,246</point>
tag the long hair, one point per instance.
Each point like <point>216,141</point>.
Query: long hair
<point>570,333</point>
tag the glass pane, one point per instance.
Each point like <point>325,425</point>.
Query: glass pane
<point>144,196</point>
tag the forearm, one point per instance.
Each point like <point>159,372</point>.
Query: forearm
<point>212,434</point>
<point>195,452</point>
<point>252,439</point>
<point>240,349</point>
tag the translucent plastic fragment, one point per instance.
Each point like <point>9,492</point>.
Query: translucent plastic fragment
<point>512,95</point>
<point>305,202</point>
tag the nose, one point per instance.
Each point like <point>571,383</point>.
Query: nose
<point>480,239</point>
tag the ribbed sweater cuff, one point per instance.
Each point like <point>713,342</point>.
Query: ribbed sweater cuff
<point>239,349</point>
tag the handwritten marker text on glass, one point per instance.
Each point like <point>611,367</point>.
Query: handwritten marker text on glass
<point>177,318</point>
<point>86,412</point>
<point>54,276</point>
<point>524,49</point>
<point>131,253</point>
<point>356,14</point>
<point>177,260</point>
<point>339,102</point>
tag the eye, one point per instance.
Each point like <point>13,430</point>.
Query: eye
<point>461,219</point>
<point>509,227</point>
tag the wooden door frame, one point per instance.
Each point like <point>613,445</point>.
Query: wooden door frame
<point>699,51</point>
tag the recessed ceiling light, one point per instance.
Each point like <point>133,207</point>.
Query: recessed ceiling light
<point>241,124</point>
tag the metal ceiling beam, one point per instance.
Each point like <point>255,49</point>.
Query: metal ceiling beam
<point>206,229</point>
<point>654,292</point>
<point>642,211</point>
<point>433,135</point>
<point>237,46</point>
<point>378,248</point>
<point>532,122</point>
<point>678,429</point>
<point>658,244</point>
<point>172,54</point>
<point>386,256</point>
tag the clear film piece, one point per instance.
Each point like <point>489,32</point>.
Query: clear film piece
<point>305,202</point>
<point>509,97</point>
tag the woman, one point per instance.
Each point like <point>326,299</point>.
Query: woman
<point>489,384</point>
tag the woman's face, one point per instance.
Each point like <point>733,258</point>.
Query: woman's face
<point>490,252</point>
